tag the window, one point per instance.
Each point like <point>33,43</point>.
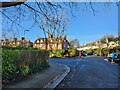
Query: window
<point>55,45</point>
<point>37,41</point>
<point>41,45</point>
<point>59,40</point>
<point>41,41</point>
<point>18,43</point>
<point>50,40</point>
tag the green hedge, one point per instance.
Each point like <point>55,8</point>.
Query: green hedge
<point>57,53</point>
<point>72,52</point>
<point>61,52</point>
<point>19,63</point>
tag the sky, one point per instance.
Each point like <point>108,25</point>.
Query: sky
<point>84,26</point>
<point>88,28</point>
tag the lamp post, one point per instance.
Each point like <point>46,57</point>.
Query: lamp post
<point>24,32</point>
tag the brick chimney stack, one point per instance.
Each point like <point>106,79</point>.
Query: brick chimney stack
<point>65,36</point>
<point>7,40</point>
<point>15,39</point>
<point>23,38</point>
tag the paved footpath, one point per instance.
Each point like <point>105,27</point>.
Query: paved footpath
<point>49,78</point>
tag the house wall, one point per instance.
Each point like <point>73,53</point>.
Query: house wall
<point>111,44</point>
<point>52,44</point>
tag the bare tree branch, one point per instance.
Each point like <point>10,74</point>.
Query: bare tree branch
<point>9,4</point>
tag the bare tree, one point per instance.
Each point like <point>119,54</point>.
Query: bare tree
<point>99,44</point>
<point>38,12</point>
<point>74,43</point>
<point>107,38</point>
<point>17,12</point>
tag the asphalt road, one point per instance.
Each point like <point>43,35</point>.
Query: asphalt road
<point>89,72</point>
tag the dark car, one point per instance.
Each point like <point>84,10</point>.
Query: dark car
<point>84,53</point>
<point>114,57</point>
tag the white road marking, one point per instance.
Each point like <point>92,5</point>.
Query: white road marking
<point>81,67</point>
<point>77,60</point>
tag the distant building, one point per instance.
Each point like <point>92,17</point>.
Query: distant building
<point>15,42</point>
<point>51,43</point>
<point>95,45</point>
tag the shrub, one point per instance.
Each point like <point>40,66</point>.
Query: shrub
<point>24,70</point>
<point>72,52</point>
<point>17,63</point>
<point>56,53</point>
<point>61,52</point>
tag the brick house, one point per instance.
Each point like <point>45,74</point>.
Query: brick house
<point>51,43</point>
<point>15,42</point>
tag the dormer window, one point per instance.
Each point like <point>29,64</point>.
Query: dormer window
<point>41,40</point>
<point>37,41</point>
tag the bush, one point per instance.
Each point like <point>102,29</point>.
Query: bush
<point>17,63</point>
<point>72,52</point>
<point>57,53</point>
<point>61,52</point>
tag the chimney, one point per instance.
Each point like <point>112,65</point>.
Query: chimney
<point>7,40</point>
<point>15,39</point>
<point>65,36</point>
<point>50,36</point>
<point>23,38</point>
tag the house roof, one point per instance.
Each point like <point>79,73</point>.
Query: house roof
<point>49,40</point>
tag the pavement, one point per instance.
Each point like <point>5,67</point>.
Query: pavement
<point>49,78</point>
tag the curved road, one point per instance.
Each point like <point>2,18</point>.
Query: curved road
<point>89,72</point>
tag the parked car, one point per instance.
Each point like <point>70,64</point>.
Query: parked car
<point>90,53</point>
<point>82,54</point>
<point>114,57</point>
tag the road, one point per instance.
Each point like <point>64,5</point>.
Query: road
<point>89,72</point>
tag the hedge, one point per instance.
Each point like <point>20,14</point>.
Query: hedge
<point>61,52</point>
<point>20,63</point>
<point>57,53</point>
<point>18,48</point>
